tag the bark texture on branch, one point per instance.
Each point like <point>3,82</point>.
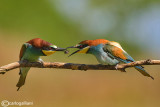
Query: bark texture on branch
<point>60,65</point>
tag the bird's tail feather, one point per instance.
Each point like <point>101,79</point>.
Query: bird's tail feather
<point>142,71</point>
<point>23,74</point>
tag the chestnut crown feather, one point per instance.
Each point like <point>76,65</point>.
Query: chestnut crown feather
<point>39,43</point>
<point>94,42</point>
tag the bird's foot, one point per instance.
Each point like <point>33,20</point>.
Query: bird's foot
<point>122,69</point>
<point>116,67</point>
<point>40,61</point>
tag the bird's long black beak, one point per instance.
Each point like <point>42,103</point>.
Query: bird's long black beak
<point>73,46</point>
<point>74,52</point>
<point>60,49</point>
<point>81,50</point>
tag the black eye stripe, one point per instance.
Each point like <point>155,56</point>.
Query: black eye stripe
<point>48,48</point>
<point>83,46</point>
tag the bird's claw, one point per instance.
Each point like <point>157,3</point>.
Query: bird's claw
<point>116,67</point>
<point>122,69</point>
<point>41,62</point>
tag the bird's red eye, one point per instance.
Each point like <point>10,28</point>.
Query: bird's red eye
<point>81,46</point>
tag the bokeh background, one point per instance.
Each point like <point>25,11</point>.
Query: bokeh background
<point>133,23</point>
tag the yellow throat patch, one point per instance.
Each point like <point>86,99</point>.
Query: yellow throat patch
<point>84,50</point>
<point>47,53</point>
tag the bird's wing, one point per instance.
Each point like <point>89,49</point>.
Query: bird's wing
<point>23,49</point>
<point>118,53</point>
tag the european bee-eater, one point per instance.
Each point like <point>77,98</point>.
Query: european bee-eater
<point>31,52</point>
<point>107,53</point>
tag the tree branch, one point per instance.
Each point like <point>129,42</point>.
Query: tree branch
<point>60,65</point>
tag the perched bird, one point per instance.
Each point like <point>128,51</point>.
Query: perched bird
<point>107,53</point>
<point>31,52</point>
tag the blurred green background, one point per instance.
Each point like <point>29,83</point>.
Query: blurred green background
<point>133,23</point>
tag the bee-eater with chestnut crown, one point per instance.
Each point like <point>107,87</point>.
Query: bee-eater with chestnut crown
<point>31,52</point>
<point>107,53</point>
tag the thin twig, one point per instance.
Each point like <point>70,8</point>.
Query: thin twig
<point>60,65</point>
